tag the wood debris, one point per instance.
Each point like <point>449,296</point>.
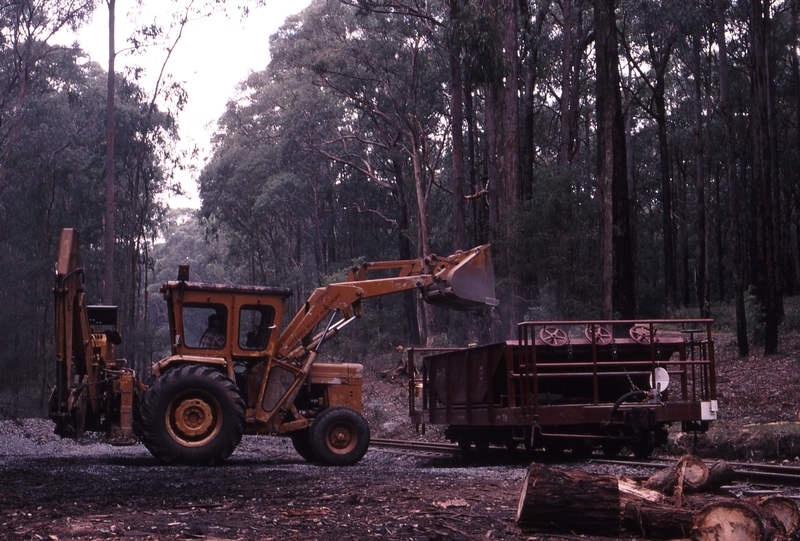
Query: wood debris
<point>575,502</point>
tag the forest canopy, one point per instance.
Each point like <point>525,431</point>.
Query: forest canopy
<point>624,159</point>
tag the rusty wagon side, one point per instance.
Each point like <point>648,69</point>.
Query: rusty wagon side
<point>571,385</point>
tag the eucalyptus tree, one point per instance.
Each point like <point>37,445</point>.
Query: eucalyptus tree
<point>386,68</point>
<point>729,172</point>
<point>618,295</point>
<point>650,38</point>
<point>762,116</point>
<point>26,28</point>
<point>52,183</point>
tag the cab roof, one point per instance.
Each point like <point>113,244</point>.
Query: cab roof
<point>223,288</point>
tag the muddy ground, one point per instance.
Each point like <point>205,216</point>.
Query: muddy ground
<point>53,489</point>
<point>265,491</point>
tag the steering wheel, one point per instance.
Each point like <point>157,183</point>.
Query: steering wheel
<point>602,336</point>
<point>641,334</point>
<point>553,336</point>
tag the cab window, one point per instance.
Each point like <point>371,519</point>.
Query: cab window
<point>255,326</point>
<point>205,325</point>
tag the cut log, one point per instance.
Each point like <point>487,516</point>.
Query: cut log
<point>784,514</point>
<point>633,491</point>
<point>731,521</point>
<point>560,501</point>
<point>656,521</point>
<point>688,473</point>
<point>720,473</point>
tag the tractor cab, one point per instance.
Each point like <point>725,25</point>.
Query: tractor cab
<point>223,325</point>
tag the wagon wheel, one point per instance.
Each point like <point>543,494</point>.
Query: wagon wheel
<point>641,334</point>
<point>602,336</point>
<point>553,336</point>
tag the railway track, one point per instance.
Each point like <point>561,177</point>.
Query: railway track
<point>746,472</point>
<point>416,448</point>
<point>768,475</point>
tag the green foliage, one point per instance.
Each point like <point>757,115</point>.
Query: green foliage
<point>558,263</point>
<point>52,148</point>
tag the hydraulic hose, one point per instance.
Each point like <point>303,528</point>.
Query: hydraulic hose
<point>625,398</point>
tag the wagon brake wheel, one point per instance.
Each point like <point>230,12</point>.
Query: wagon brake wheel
<point>553,336</point>
<point>602,336</point>
<point>641,334</point>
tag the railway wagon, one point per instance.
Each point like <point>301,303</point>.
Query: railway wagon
<point>573,385</point>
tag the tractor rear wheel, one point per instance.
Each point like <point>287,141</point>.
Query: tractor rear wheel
<point>339,437</point>
<point>192,415</point>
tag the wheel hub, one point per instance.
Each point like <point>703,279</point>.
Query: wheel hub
<point>193,420</point>
<point>193,417</point>
<point>341,438</point>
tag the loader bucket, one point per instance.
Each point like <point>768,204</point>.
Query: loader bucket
<point>463,281</point>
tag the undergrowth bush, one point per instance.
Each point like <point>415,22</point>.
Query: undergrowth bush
<point>756,317</point>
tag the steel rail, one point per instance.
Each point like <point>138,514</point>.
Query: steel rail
<point>422,448</point>
<point>746,472</point>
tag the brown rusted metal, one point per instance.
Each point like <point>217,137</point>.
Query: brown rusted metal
<point>571,381</point>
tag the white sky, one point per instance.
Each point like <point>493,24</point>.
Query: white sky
<point>211,58</point>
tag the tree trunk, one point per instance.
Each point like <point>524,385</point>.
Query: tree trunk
<point>670,256</point>
<point>616,244</point>
<point>632,189</point>
<point>405,252</point>
<point>566,86</point>
<point>492,109</point>
<point>737,264</point>
<point>762,166</point>
<point>795,175</point>
<point>510,201</point>
<point>474,182</point>
<point>530,65</point>
<point>424,229</point>
<point>457,122</point>
<point>108,219</point>
<point>701,266</point>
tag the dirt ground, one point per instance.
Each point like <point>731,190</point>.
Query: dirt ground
<point>53,489</point>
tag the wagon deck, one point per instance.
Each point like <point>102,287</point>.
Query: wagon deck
<point>571,384</point>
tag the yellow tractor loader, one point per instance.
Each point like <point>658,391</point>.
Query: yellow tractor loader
<point>232,370</point>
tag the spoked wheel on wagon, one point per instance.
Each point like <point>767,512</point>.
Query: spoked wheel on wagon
<point>602,336</point>
<point>553,336</point>
<point>641,334</point>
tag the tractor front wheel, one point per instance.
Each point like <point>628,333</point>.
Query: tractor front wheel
<point>192,415</point>
<point>301,441</point>
<point>339,437</point>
